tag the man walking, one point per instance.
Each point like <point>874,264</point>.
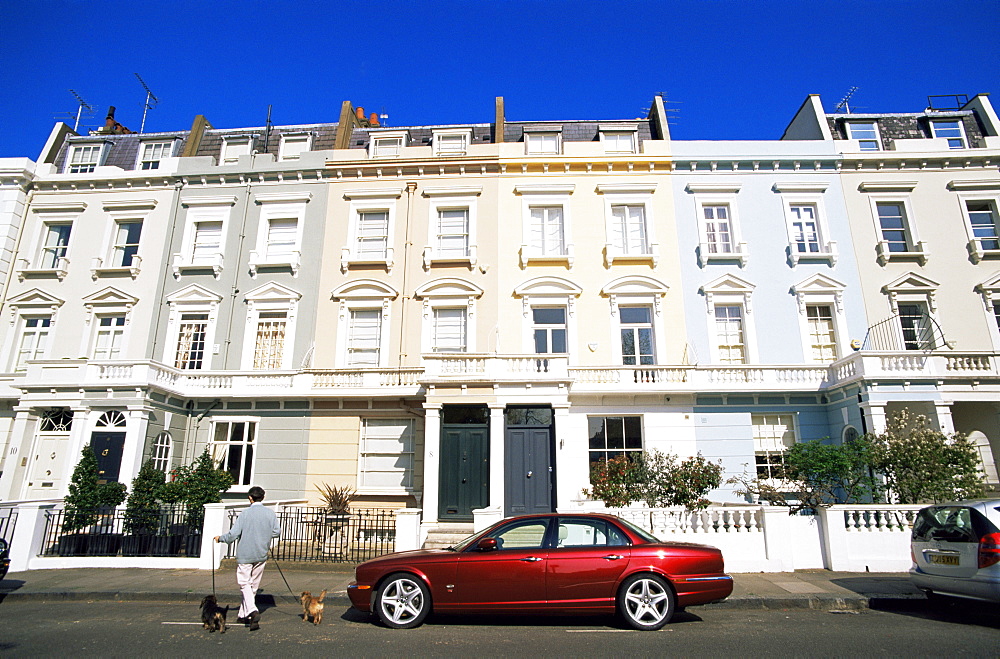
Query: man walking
<point>254,528</point>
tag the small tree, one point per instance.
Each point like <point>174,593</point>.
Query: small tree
<point>923,465</point>
<point>654,478</point>
<point>818,474</point>
<point>87,496</point>
<point>195,485</point>
<point>142,510</point>
<point>616,481</point>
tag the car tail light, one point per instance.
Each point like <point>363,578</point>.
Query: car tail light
<point>989,550</point>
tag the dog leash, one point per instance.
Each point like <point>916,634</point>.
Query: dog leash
<point>278,565</point>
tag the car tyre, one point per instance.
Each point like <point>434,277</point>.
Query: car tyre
<point>402,601</point>
<point>646,602</point>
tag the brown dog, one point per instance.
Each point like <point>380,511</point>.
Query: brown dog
<point>213,618</point>
<point>312,606</point>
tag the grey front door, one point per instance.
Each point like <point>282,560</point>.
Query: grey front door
<point>465,474</point>
<point>528,474</point>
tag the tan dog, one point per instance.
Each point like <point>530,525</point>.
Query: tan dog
<point>312,606</point>
<point>213,618</point>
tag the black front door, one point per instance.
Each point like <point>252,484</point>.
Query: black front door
<point>529,479</point>
<point>108,447</point>
<point>465,473</point>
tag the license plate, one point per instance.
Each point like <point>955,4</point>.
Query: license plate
<point>944,560</point>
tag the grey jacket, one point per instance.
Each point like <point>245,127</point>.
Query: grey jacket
<point>255,528</point>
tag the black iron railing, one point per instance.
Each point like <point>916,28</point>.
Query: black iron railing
<point>113,533</point>
<point>311,534</point>
<point>905,332</point>
<point>8,520</point>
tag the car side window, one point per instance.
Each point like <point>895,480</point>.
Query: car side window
<point>946,523</point>
<point>588,533</point>
<point>522,535</point>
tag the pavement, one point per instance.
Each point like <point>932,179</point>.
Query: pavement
<point>813,589</point>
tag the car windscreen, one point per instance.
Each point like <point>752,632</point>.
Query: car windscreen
<point>951,524</point>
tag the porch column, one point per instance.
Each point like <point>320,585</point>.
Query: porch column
<point>567,489</point>
<point>137,423</point>
<point>18,458</point>
<point>875,416</point>
<point>432,461</point>
<point>497,456</point>
<point>945,423</point>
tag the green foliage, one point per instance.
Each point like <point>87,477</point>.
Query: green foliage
<point>655,478</point>
<point>142,510</point>
<point>195,485</point>
<point>87,497</point>
<point>819,474</point>
<point>337,499</point>
<point>923,465</point>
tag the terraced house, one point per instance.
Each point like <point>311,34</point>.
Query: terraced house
<point>459,318</point>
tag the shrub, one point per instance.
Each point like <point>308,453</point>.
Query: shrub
<point>654,478</point>
<point>195,485</point>
<point>142,510</point>
<point>87,497</point>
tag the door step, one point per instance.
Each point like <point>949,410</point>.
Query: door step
<point>447,534</point>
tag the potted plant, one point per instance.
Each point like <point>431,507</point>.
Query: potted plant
<point>195,485</point>
<point>337,500</point>
<point>87,502</point>
<point>142,511</point>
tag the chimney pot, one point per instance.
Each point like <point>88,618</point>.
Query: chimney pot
<point>373,119</point>
<point>360,113</point>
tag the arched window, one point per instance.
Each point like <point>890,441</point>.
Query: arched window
<point>111,419</point>
<point>57,420</point>
<point>163,448</point>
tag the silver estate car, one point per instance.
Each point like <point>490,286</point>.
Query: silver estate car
<point>956,550</point>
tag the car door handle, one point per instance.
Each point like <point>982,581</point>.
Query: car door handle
<point>531,559</point>
<point>613,557</point>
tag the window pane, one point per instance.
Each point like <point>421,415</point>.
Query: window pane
<point>892,219</point>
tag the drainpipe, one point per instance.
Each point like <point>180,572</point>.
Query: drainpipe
<point>411,187</point>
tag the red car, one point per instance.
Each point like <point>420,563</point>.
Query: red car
<point>563,564</point>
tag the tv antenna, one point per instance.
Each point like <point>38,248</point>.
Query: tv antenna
<point>843,105</point>
<point>150,103</point>
<point>383,118</point>
<point>84,105</point>
<point>268,126</point>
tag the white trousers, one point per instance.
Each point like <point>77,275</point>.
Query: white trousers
<point>248,577</point>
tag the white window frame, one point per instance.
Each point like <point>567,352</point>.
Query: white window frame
<point>58,263</point>
<point>978,246</point>
<point>30,304</point>
<point>953,142</point>
<point>445,199</point>
<point>388,144</point>
<point>192,299</point>
<point>162,451</point>
<point>232,148</point>
<point>433,323</point>
<point>47,215</point>
<point>278,206</point>
<point>772,445</point>
<point>363,201</point>
<point>637,291</point>
<point>875,144</point>
<point>545,196</point>
<point>440,140</point>
<point>287,150</point>
<point>629,194</point>
<point>119,213</point>
<point>270,298</point>
<point>604,428</point>
<point>220,455</point>
<point>408,455</point>
<point>363,294</point>
<point>537,140</point>
<point>821,290</point>
<point>718,195</point>
<point>199,210</point>
<point>807,194</point>
<point>167,148</point>
<point>41,349</point>
<point>917,250</point>
<point>115,330</point>
<point>614,146</point>
<point>102,304</point>
<point>730,290</point>
<point>548,292</point>
<point>91,164</point>
<point>912,288</point>
<point>448,293</point>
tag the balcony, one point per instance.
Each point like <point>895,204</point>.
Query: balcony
<point>185,263</point>
<point>918,253</point>
<point>98,269</point>
<point>823,252</point>
<point>291,260</point>
<point>59,271</point>
<point>909,365</point>
<point>984,248</point>
<point>713,252</point>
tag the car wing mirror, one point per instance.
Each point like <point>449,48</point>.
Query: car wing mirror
<point>487,544</point>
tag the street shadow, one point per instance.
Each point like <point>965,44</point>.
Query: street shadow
<point>9,586</point>
<point>519,620</point>
<point>943,609</point>
<point>877,586</point>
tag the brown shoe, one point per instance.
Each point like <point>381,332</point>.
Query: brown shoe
<point>254,621</point>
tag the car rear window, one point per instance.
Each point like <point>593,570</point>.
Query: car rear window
<point>951,524</point>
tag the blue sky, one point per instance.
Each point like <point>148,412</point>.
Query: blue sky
<point>731,70</point>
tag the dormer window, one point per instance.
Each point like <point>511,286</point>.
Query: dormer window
<point>151,153</point>
<point>452,143</point>
<point>866,133</point>
<point>85,158</point>
<point>293,145</point>
<point>542,140</point>
<point>234,147</point>
<point>618,139</point>
<point>950,130</point>
<point>388,145</point>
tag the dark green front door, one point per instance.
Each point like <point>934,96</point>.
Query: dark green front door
<point>108,447</point>
<point>465,476</point>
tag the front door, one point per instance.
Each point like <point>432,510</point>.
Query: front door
<point>528,473</point>
<point>108,447</point>
<point>465,475</point>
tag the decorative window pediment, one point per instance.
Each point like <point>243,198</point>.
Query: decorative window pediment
<point>817,286</point>
<point>728,286</point>
<point>634,288</point>
<point>448,287</point>
<point>109,297</point>
<point>364,288</point>
<point>35,298</point>
<point>273,292</point>
<point>194,294</point>
<point>990,290</point>
<point>910,286</point>
<point>553,288</point>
